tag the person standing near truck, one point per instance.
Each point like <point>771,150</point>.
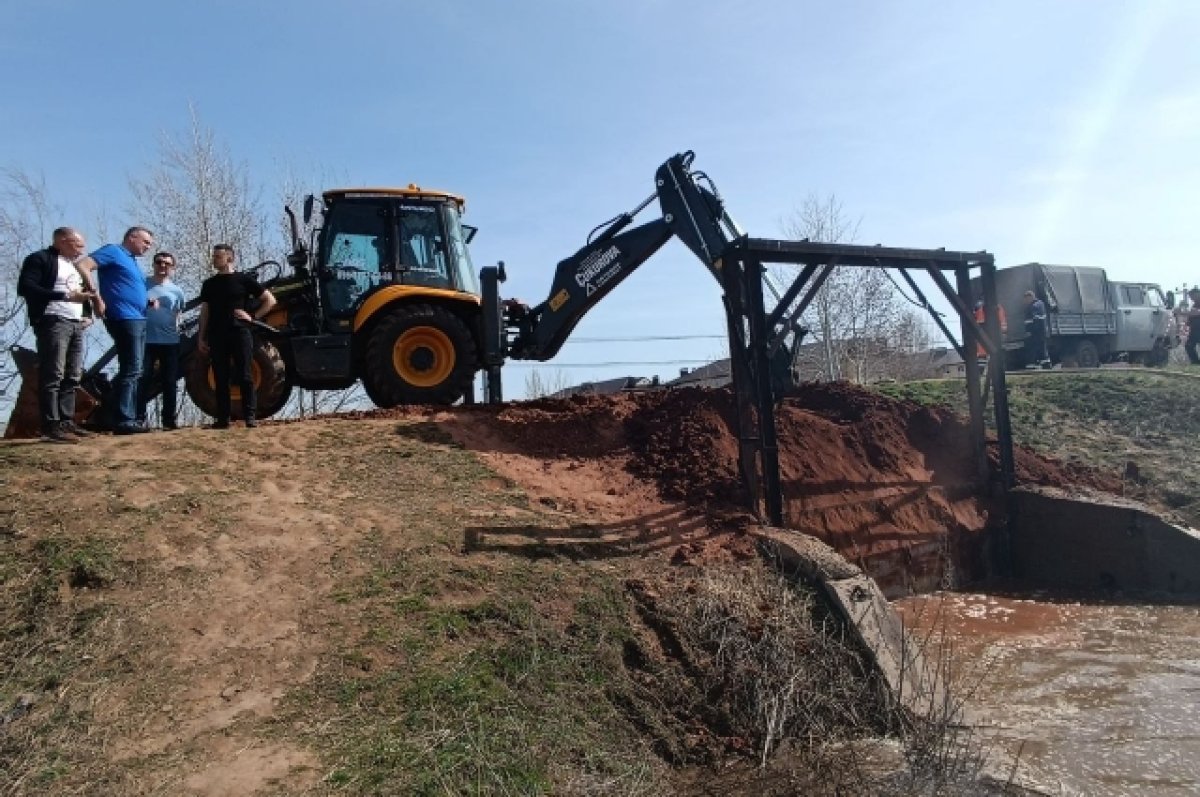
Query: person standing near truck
<point>57,297</point>
<point>1193,322</point>
<point>162,339</point>
<point>981,319</point>
<point>1035,331</point>
<point>123,306</point>
<point>225,331</point>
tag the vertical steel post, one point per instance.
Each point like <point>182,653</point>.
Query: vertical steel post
<point>987,278</point>
<point>1003,547</point>
<point>971,365</point>
<point>740,373</point>
<point>764,399</point>
<point>493,333</point>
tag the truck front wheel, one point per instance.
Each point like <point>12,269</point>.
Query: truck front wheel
<point>420,354</point>
<point>1159,356</point>
<point>1086,354</point>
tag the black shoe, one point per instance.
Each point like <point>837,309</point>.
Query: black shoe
<point>73,428</point>
<point>170,427</point>
<point>130,429</point>
<point>251,423</point>
<point>219,425</point>
<point>57,435</point>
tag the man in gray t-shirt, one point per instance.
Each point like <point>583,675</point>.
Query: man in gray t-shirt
<point>161,361</point>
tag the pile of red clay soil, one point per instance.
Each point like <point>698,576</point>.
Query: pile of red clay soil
<point>888,483</point>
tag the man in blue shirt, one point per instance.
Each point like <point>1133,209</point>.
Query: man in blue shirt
<point>162,339</point>
<point>123,305</point>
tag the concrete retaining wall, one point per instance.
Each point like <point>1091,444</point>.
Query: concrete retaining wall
<point>1065,541</point>
<point>915,684</point>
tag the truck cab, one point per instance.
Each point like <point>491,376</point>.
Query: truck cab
<point>1090,319</point>
<point>372,238</point>
<point>1143,318</point>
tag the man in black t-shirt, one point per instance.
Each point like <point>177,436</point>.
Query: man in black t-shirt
<point>225,331</point>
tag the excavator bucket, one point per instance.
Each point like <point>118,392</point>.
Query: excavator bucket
<point>25,421</point>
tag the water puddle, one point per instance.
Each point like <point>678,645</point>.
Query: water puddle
<point>1104,698</point>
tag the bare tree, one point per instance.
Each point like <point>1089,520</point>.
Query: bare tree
<point>911,348</point>
<point>540,385</point>
<point>855,312</point>
<point>26,214</point>
<point>25,225</point>
<point>196,196</point>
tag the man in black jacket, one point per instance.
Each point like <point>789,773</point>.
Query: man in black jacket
<point>55,294</point>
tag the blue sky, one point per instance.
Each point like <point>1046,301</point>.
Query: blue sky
<point>1052,131</point>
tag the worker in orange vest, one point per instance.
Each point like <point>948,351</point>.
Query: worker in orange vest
<point>980,318</point>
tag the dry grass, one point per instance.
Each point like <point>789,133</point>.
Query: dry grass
<point>777,660</point>
<point>437,669</point>
<point>789,680</point>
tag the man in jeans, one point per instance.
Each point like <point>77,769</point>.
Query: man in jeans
<point>1193,324</point>
<point>56,294</point>
<point>225,333</point>
<point>123,291</point>
<point>162,339</point>
<point>1035,331</point>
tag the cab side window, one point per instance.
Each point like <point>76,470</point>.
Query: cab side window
<point>1133,295</point>
<point>422,249</point>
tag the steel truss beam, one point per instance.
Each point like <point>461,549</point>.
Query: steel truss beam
<point>755,336</point>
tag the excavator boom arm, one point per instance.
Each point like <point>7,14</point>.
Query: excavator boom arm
<point>691,212</point>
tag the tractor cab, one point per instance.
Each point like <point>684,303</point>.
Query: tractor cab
<point>372,238</point>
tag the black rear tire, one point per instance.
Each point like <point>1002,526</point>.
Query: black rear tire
<point>420,354</point>
<point>270,381</point>
<point>1159,356</point>
<point>1087,355</point>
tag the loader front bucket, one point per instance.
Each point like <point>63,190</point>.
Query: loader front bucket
<point>25,421</point>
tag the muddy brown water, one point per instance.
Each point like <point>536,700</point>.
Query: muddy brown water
<point>1103,698</point>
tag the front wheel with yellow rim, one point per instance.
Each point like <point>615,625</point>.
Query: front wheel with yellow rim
<point>420,354</point>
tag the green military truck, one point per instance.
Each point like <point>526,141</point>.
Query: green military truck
<point>1090,319</point>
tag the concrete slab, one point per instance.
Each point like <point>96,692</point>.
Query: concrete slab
<point>914,683</point>
<point>1063,540</point>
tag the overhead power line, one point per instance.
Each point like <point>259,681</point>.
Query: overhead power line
<point>643,338</point>
<point>609,364</point>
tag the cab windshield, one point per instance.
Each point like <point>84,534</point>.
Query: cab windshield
<point>371,241</point>
<point>422,249</point>
<point>460,257</point>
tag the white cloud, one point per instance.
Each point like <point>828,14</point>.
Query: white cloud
<point>1176,116</point>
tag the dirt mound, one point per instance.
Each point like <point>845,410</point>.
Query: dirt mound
<point>890,483</point>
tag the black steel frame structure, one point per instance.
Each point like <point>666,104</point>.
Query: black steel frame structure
<point>755,334</point>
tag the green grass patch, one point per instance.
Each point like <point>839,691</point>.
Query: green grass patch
<point>1135,424</point>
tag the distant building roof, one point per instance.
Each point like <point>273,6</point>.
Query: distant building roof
<point>607,387</point>
<point>715,374</point>
<point>944,356</point>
